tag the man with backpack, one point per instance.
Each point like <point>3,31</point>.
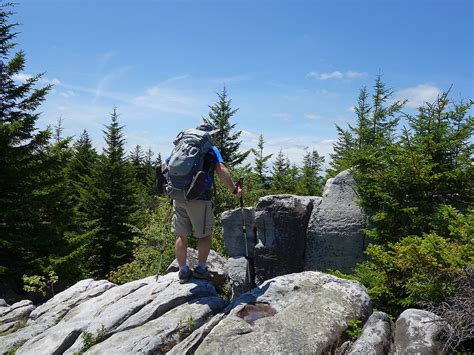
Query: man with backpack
<point>189,173</point>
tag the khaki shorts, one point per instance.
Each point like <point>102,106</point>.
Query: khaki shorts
<point>193,216</point>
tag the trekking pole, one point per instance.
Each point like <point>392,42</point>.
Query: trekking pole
<point>240,184</point>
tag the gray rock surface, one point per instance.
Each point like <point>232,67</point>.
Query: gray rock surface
<point>160,335</point>
<point>334,238</point>
<point>418,332</point>
<point>119,309</point>
<point>3,303</point>
<point>233,233</point>
<point>16,312</point>
<point>240,276</point>
<point>189,345</point>
<point>51,312</point>
<point>292,314</point>
<point>215,262</point>
<point>376,337</point>
<point>281,222</point>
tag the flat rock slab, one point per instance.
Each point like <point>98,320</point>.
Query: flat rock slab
<point>119,308</point>
<point>160,335</point>
<point>17,312</point>
<point>298,313</point>
<point>51,312</point>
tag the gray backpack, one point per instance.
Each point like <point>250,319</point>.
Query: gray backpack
<point>186,161</point>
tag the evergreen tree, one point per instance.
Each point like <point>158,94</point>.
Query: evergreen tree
<point>261,161</point>
<point>27,183</point>
<point>310,183</point>
<point>431,166</point>
<point>373,134</point>
<point>137,161</point>
<point>82,163</point>
<point>110,207</point>
<point>284,175</point>
<point>226,140</point>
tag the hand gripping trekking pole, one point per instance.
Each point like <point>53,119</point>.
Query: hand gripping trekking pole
<point>240,184</point>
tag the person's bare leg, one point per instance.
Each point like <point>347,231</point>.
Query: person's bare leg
<point>181,248</point>
<point>204,246</point>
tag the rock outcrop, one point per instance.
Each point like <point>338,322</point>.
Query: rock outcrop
<point>334,239</point>
<point>307,312</point>
<point>298,313</point>
<point>50,313</point>
<point>376,337</point>
<point>281,222</point>
<point>418,332</point>
<point>241,276</point>
<point>118,312</point>
<point>233,233</point>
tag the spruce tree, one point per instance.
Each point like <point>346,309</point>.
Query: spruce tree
<point>227,139</point>
<point>137,161</point>
<point>284,175</point>
<point>27,225</point>
<point>310,182</point>
<point>110,207</point>
<point>261,161</point>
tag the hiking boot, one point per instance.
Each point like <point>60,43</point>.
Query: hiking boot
<point>197,186</point>
<point>201,273</point>
<point>185,276</point>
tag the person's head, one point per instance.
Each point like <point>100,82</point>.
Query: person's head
<point>206,126</point>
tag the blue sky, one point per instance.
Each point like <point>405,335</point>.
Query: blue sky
<point>293,68</point>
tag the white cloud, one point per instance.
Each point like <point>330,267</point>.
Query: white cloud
<point>169,100</point>
<point>23,77</point>
<point>335,75</point>
<point>106,80</point>
<point>312,116</point>
<point>68,93</point>
<point>174,78</point>
<point>418,95</point>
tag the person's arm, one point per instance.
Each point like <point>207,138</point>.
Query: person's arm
<point>225,177</point>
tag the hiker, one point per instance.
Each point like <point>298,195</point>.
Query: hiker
<point>192,206</point>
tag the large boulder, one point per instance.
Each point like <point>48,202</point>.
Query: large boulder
<point>118,309</point>
<point>376,337</point>
<point>335,240</point>
<point>51,312</point>
<point>419,332</point>
<point>281,222</point>
<point>241,276</point>
<point>232,229</point>
<point>306,312</point>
